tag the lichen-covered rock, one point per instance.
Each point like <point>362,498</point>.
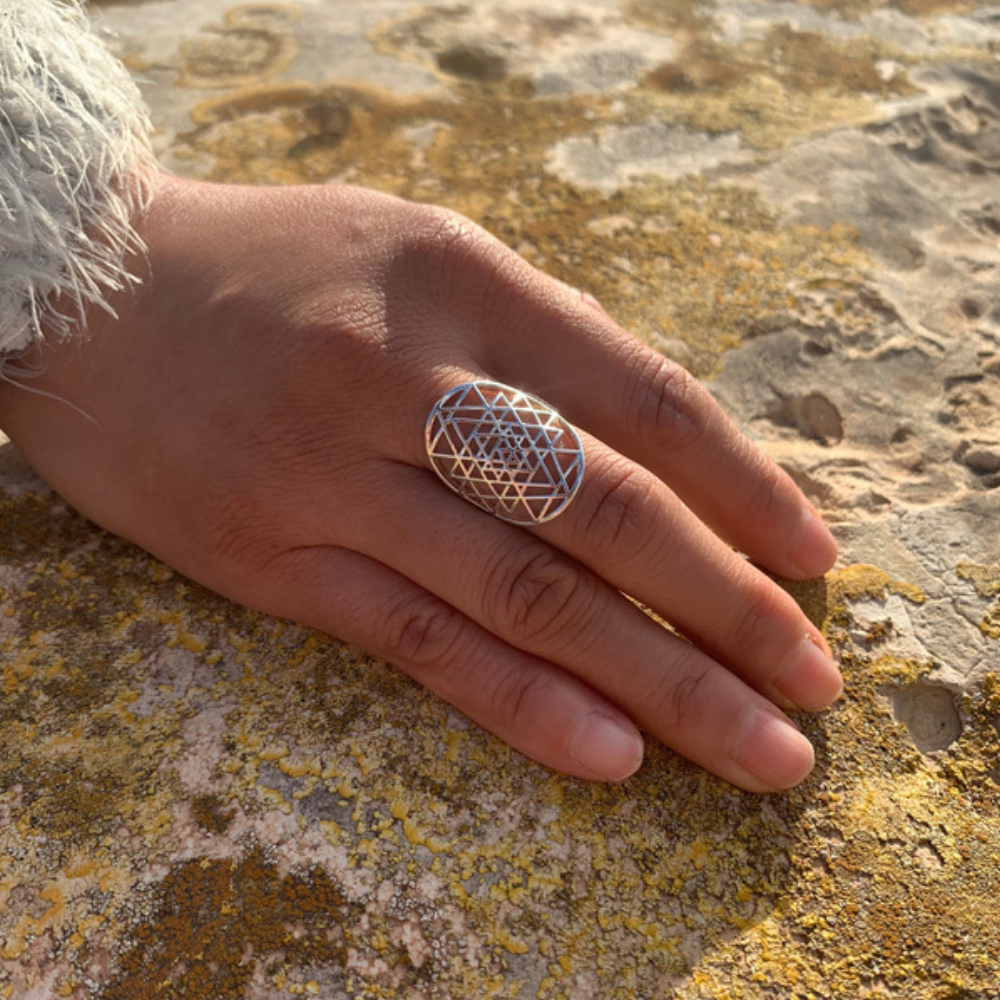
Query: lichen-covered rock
<point>200,802</point>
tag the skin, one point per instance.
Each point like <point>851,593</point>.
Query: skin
<point>254,417</point>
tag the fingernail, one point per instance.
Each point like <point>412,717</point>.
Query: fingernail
<point>816,549</point>
<point>811,680</point>
<point>773,750</point>
<point>609,749</point>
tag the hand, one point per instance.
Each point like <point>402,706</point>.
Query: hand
<point>255,418</point>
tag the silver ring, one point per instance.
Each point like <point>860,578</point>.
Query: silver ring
<point>504,450</point>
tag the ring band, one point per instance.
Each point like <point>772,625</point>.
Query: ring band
<point>504,450</point>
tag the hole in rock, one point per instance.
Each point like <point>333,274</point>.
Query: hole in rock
<point>472,63</point>
<point>972,308</point>
<point>929,714</point>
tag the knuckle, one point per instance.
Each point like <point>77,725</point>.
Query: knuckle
<point>681,696</point>
<point>755,620</point>
<point>620,517</point>
<point>664,400</point>
<point>444,231</point>
<point>423,632</point>
<point>767,492</point>
<point>540,597</point>
<point>438,245</point>
<point>515,692</point>
<point>454,258</point>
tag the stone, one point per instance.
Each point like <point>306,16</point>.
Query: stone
<point>198,801</point>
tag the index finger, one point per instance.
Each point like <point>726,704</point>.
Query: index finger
<point>647,407</point>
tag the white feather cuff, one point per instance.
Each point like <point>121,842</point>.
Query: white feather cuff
<point>74,155</point>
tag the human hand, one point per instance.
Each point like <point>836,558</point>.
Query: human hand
<point>255,418</point>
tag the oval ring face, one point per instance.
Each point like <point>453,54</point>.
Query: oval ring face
<point>504,450</point>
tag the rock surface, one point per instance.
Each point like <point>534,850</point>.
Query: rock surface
<point>799,201</point>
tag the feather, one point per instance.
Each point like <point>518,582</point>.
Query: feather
<point>75,164</point>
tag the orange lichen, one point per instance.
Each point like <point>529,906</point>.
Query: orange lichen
<point>215,926</point>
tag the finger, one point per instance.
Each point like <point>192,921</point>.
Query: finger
<point>631,530</point>
<point>651,409</point>
<point>538,600</point>
<point>534,706</point>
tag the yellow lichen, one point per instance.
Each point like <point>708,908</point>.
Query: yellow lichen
<point>986,580</point>
<point>877,876</point>
<point>864,580</point>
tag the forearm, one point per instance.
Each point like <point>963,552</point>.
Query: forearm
<point>73,157</point>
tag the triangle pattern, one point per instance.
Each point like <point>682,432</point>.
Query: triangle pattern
<point>504,450</point>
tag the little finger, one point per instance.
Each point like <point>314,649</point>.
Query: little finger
<point>536,707</point>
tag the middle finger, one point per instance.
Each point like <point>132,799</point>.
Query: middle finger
<point>632,530</point>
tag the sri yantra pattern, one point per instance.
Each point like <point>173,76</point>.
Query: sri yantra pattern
<point>504,450</point>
